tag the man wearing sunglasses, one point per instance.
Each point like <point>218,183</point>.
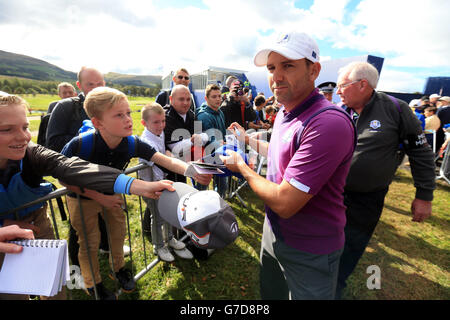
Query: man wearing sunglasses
<point>181,77</point>
<point>382,123</point>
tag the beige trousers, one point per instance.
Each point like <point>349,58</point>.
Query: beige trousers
<point>115,224</point>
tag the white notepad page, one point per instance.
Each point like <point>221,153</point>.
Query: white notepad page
<point>42,268</point>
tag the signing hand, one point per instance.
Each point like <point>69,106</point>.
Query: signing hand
<point>233,161</point>
<point>238,131</point>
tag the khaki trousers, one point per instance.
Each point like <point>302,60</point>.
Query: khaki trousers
<point>115,225</point>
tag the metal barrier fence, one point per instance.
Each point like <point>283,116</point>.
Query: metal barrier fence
<point>444,170</point>
<point>64,191</point>
<point>234,186</point>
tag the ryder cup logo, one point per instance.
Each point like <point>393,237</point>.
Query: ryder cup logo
<point>375,124</point>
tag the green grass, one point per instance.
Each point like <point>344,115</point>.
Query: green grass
<point>229,273</point>
<point>40,102</point>
<point>413,257</point>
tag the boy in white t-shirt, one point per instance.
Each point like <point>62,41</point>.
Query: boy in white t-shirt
<point>154,121</point>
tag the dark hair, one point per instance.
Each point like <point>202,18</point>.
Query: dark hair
<point>430,108</point>
<point>270,109</point>
<point>259,100</point>
<point>211,87</point>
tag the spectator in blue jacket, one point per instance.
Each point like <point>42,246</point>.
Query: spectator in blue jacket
<point>414,104</point>
<point>213,124</point>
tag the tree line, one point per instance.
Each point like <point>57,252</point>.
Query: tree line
<point>30,86</point>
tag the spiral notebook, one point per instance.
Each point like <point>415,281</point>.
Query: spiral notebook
<point>42,268</point>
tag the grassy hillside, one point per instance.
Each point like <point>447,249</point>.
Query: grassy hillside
<point>22,66</point>
<point>136,80</point>
<point>12,64</point>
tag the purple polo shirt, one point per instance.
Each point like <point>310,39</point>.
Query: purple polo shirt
<point>318,164</point>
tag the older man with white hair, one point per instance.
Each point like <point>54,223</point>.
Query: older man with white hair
<point>382,123</point>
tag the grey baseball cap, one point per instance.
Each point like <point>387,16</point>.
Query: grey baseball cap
<point>203,215</point>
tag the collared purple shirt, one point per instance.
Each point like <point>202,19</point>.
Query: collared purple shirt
<point>318,165</point>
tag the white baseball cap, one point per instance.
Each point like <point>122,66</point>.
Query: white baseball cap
<point>203,215</point>
<point>414,103</point>
<point>435,95</point>
<point>293,45</point>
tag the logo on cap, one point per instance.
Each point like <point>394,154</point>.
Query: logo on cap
<point>284,38</point>
<point>234,227</point>
<point>314,55</point>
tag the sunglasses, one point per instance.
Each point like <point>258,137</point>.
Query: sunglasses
<point>181,78</point>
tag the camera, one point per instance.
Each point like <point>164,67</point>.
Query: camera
<point>238,87</point>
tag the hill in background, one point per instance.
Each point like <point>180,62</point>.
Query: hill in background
<point>18,65</point>
<point>133,80</point>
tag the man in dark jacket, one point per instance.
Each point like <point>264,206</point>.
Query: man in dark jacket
<point>181,77</point>
<point>179,132</point>
<point>236,108</point>
<point>65,90</point>
<point>382,123</point>
<point>68,115</point>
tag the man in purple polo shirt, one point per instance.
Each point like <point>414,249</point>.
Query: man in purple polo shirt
<point>309,157</point>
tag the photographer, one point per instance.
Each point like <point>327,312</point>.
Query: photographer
<point>237,108</point>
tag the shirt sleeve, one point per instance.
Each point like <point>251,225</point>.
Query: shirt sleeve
<point>327,142</point>
<point>73,171</point>
<point>68,149</point>
<point>144,150</point>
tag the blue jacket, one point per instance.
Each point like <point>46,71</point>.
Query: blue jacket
<point>211,119</point>
<point>21,181</point>
<point>421,117</point>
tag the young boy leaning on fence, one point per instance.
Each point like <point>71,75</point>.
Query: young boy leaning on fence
<point>111,144</point>
<point>23,164</point>
<point>154,122</point>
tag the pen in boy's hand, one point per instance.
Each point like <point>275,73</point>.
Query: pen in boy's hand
<point>237,131</point>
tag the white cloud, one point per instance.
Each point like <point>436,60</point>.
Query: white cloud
<point>412,30</point>
<point>400,81</point>
<point>140,37</point>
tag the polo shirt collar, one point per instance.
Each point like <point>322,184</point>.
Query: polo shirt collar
<point>313,97</point>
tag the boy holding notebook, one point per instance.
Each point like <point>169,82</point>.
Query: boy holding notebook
<point>23,164</point>
<point>111,144</point>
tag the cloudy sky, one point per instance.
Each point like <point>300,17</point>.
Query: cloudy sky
<point>156,36</point>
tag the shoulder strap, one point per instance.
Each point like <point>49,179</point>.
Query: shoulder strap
<point>299,134</point>
<point>86,142</point>
<point>132,146</point>
<point>167,96</point>
<point>75,102</point>
<point>395,101</point>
